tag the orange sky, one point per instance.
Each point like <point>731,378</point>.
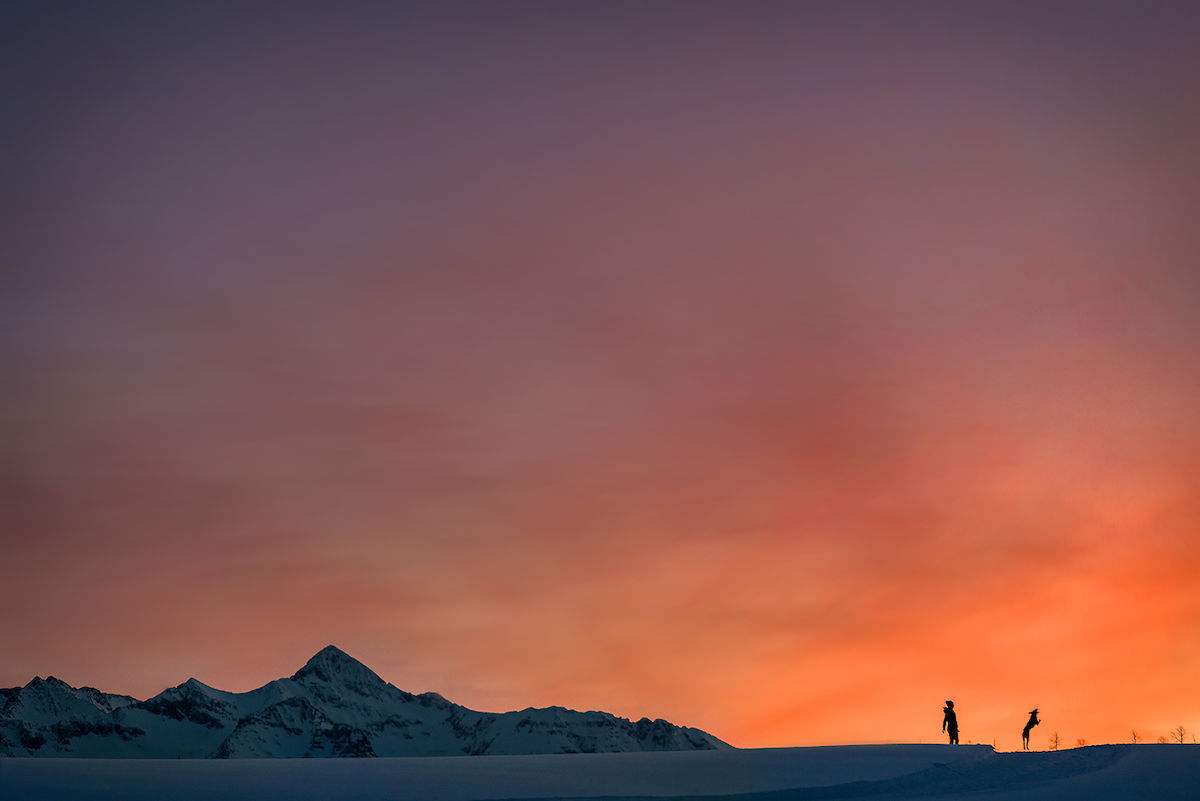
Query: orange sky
<point>779,370</point>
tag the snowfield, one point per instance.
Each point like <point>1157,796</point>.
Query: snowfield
<point>1098,773</point>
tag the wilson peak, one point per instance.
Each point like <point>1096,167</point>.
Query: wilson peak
<point>332,664</point>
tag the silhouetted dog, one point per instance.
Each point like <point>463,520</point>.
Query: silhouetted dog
<point>1033,721</point>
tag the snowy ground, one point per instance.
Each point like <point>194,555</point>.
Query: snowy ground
<point>1161,772</point>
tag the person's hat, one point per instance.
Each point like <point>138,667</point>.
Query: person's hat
<point>949,703</point>
<point>1034,712</point>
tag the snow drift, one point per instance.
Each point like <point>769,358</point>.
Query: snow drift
<point>1096,773</point>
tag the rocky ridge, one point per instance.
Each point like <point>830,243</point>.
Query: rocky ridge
<point>334,706</point>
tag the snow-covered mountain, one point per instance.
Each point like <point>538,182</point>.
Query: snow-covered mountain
<point>334,706</point>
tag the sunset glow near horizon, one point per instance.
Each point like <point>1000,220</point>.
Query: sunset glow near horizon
<point>781,370</point>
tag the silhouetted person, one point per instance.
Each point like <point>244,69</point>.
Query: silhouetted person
<point>1033,721</point>
<point>950,722</point>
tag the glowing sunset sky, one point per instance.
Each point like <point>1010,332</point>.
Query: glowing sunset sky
<point>777,369</point>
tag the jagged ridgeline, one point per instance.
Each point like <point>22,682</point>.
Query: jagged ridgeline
<point>334,706</point>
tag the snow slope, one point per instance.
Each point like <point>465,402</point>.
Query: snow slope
<point>1098,773</point>
<point>334,706</point>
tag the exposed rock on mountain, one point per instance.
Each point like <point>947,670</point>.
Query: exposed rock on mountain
<point>334,706</point>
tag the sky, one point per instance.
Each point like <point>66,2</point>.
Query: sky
<point>779,369</point>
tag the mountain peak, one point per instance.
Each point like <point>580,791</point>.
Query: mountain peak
<point>333,664</point>
<point>49,681</point>
<point>195,685</point>
<point>333,652</point>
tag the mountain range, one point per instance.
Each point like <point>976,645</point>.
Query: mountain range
<point>334,706</point>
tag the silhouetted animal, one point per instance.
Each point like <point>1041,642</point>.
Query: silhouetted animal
<point>950,722</point>
<point>1033,721</point>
